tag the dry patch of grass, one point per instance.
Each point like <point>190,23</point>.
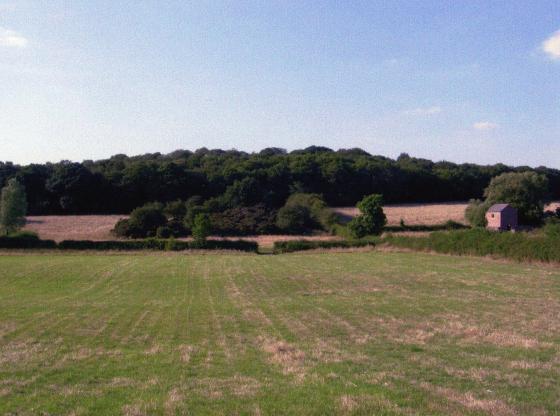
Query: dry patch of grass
<point>287,356</point>
<point>470,401</point>
<point>185,352</point>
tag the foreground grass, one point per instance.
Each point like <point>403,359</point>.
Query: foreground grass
<point>323,333</point>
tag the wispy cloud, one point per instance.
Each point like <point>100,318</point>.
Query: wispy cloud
<point>423,111</point>
<point>485,125</point>
<point>11,39</point>
<point>551,46</point>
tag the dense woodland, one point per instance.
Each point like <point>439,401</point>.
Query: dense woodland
<point>236,179</point>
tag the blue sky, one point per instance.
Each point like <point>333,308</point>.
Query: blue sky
<point>466,81</point>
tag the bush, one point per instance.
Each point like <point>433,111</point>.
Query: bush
<point>201,228</point>
<point>301,245</point>
<point>448,225</point>
<point>475,213</point>
<point>143,222</point>
<point>294,219</point>
<point>156,244</point>
<point>244,221</point>
<point>552,229</point>
<point>122,228</point>
<point>163,232</point>
<point>304,212</point>
<point>480,242</point>
<point>175,210</point>
<point>372,218</point>
<point>25,240</point>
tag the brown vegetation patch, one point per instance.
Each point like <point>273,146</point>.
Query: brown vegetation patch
<point>469,333</point>
<point>347,403</point>
<point>173,399</point>
<point>20,351</point>
<point>470,401</point>
<point>237,385</point>
<point>290,358</point>
<point>134,410</point>
<point>121,382</point>
<point>416,214</point>
<point>423,214</point>
<point>74,227</point>
<point>186,351</point>
<point>529,365</point>
<point>154,349</point>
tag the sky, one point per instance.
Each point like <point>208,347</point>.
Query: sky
<point>458,80</point>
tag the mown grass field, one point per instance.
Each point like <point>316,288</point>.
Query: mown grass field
<point>316,333</point>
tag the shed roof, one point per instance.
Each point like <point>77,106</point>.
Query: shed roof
<point>498,207</point>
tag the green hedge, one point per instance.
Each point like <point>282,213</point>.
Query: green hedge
<point>159,244</point>
<point>300,245</point>
<point>449,225</point>
<point>480,242</point>
<point>25,241</point>
<point>17,242</point>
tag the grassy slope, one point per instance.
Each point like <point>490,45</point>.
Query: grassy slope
<point>363,333</point>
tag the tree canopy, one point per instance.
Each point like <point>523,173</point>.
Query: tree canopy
<point>234,179</point>
<point>13,207</point>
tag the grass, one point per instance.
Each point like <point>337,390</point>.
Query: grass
<point>313,333</point>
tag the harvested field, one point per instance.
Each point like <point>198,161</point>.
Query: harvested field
<point>73,227</point>
<point>416,214</point>
<point>305,334</point>
<point>423,214</point>
<point>98,227</point>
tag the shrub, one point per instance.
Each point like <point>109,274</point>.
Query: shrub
<point>448,225</point>
<point>13,207</point>
<point>175,210</point>
<point>25,240</point>
<point>294,219</point>
<point>304,212</point>
<point>552,229</point>
<point>201,228</point>
<point>244,221</point>
<point>163,232</point>
<point>143,222</point>
<point>372,218</point>
<point>480,242</point>
<point>122,228</point>
<point>154,244</point>
<point>475,214</point>
<point>301,245</point>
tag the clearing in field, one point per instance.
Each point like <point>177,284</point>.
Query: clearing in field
<point>322,333</point>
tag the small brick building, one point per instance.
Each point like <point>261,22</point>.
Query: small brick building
<point>501,217</point>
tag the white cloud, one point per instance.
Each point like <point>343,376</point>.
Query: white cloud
<point>424,111</point>
<point>551,46</point>
<point>485,125</point>
<point>11,39</point>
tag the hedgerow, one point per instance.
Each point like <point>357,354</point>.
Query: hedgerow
<point>481,242</point>
<point>25,240</point>
<point>301,245</point>
<point>30,242</point>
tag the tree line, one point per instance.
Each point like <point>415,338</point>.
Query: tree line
<point>228,180</point>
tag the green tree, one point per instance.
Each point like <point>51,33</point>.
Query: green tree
<point>294,219</point>
<point>13,207</point>
<point>143,222</point>
<point>372,218</point>
<point>201,228</point>
<point>475,213</point>
<point>525,191</point>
